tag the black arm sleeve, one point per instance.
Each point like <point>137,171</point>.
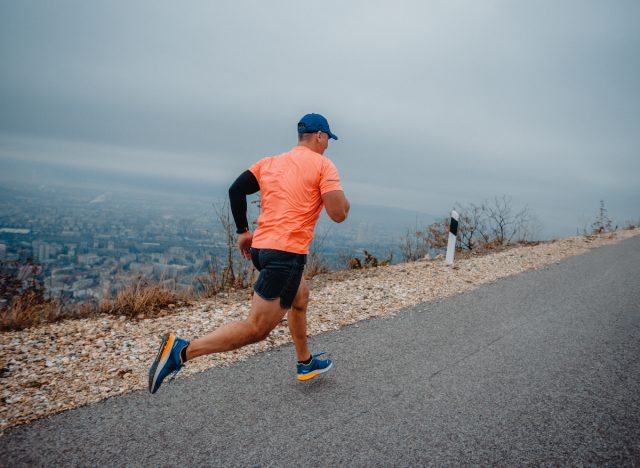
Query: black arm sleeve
<point>244,185</point>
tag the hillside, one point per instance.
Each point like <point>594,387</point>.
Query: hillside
<point>55,367</point>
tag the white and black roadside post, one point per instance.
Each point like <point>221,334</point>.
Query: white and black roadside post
<point>453,233</point>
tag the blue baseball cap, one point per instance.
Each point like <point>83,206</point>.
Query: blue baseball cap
<point>312,123</point>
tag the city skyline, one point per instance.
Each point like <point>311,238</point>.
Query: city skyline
<point>91,245</point>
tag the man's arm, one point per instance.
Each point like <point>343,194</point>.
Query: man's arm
<point>244,185</point>
<point>336,205</point>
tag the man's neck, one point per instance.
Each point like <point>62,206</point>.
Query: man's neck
<point>313,147</point>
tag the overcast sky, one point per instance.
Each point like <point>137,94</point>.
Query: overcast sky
<point>435,102</point>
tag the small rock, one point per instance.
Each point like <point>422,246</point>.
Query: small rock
<point>13,399</point>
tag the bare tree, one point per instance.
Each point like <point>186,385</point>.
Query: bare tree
<point>499,215</point>
<point>316,263</point>
<point>504,225</point>
<point>414,245</point>
<point>483,226</point>
<point>602,223</point>
<point>231,272</point>
<point>438,234</point>
<point>530,228</point>
<point>209,284</point>
<point>631,224</point>
<point>472,228</point>
<point>223,213</point>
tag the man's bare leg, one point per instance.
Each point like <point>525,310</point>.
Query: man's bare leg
<point>297,320</point>
<point>263,317</point>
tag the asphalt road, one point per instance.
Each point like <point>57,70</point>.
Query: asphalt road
<point>542,368</point>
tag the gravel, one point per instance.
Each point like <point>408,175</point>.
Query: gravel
<point>56,367</point>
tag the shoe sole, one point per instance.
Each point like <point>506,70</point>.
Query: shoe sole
<point>311,375</point>
<point>160,360</point>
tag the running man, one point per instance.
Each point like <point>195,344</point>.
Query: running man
<point>294,186</point>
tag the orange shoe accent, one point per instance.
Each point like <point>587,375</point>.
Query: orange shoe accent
<point>308,376</point>
<point>167,347</point>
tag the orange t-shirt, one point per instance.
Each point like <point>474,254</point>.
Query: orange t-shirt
<point>291,185</point>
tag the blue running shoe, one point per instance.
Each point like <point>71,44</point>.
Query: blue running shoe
<point>167,361</point>
<point>315,367</point>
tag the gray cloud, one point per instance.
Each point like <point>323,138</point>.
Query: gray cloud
<point>434,102</point>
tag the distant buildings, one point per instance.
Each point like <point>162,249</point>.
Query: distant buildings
<point>91,250</point>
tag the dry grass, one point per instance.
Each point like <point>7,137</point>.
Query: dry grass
<point>236,275</point>
<point>28,310</point>
<point>142,299</point>
<point>153,299</point>
<point>315,266</point>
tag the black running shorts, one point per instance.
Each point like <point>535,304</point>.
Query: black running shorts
<point>280,274</point>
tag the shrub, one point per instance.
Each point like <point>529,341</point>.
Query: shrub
<point>369,261</point>
<point>316,263</point>
<point>141,298</point>
<point>480,227</point>
<point>603,223</point>
<point>29,309</point>
<point>414,245</point>
<point>22,293</point>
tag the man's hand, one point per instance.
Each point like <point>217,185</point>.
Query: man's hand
<point>244,242</point>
